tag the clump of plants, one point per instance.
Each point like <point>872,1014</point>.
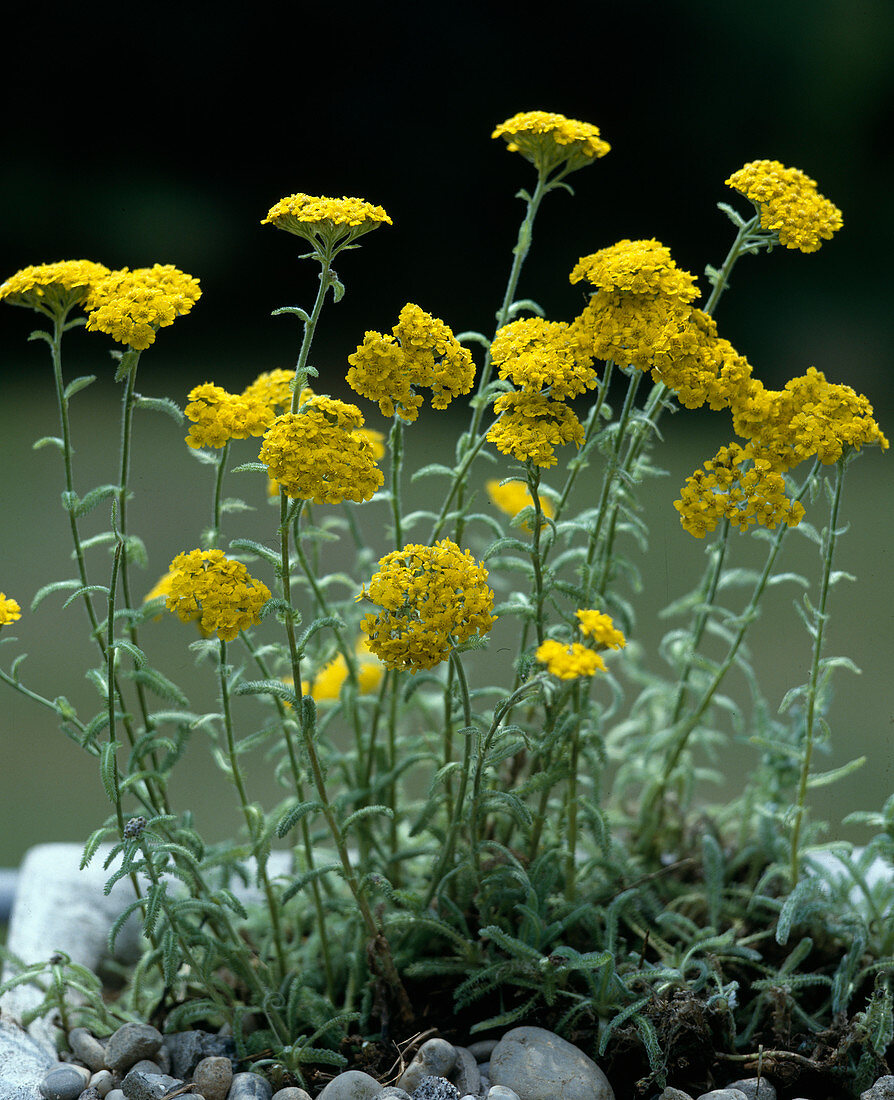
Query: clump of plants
<point>476,843</point>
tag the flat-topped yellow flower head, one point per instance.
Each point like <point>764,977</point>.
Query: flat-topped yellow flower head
<point>789,204</point>
<point>9,610</point>
<point>550,141</point>
<point>52,288</point>
<point>131,306</point>
<point>329,224</point>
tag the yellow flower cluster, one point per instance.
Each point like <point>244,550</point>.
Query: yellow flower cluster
<point>52,287</point>
<point>740,487</point>
<point>328,224</point>
<point>320,454</point>
<point>9,610</point>
<point>535,354</point>
<point>421,353</point>
<point>130,306</point>
<point>548,140</point>
<point>550,361</point>
<point>432,598</point>
<point>513,496</point>
<point>601,628</point>
<point>789,204</point>
<point>569,662</point>
<point>218,416</point>
<point>216,592</point>
<point>810,417</point>
<point>636,267</point>
<point>531,425</point>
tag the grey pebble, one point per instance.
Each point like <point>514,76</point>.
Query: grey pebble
<point>722,1094</point>
<point>540,1065</point>
<point>354,1084</point>
<point>674,1094</point>
<point>250,1086</point>
<point>291,1093</point>
<point>115,1094</point>
<point>64,1082</point>
<point>139,1085</point>
<point>435,1058</point>
<point>435,1088</point>
<point>754,1088</point>
<point>102,1081</point>
<point>481,1050</point>
<point>213,1076</point>
<point>146,1065</point>
<point>466,1075</point>
<point>129,1044</point>
<point>392,1092</point>
<point>88,1048</point>
<point>187,1048</point>
<point>501,1092</point>
<point>883,1089</point>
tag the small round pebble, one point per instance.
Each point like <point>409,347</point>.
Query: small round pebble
<point>353,1084</point>
<point>754,1088</point>
<point>213,1076</point>
<point>540,1065</point>
<point>129,1044</point>
<point>435,1088</point>
<point>102,1081</point>
<point>435,1058</point>
<point>291,1093</point>
<point>250,1086</point>
<point>138,1085</point>
<point>64,1082</point>
<point>392,1092</point>
<point>723,1094</point>
<point>501,1092</point>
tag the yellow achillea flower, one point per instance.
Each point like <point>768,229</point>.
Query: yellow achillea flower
<point>549,140</point>
<point>329,224</point>
<point>809,417</point>
<point>601,628</point>
<point>215,591</point>
<point>512,497</point>
<point>568,662</point>
<point>433,598</point>
<point>130,306</point>
<point>535,354</point>
<point>422,352</point>
<point>737,485</point>
<point>9,610</point>
<point>531,425</point>
<point>217,416</point>
<point>636,267</point>
<point>320,454</point>
<point>271,394</point>
<point>52,288</point>
<point>789,204</point>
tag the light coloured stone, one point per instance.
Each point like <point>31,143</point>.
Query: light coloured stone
<point>139,1085</point>
<point>130,1044</point>
<point>502,1092</point>
<point>540,1065</point>
<point>250,1086</point>
<point>466,1075</point>
<point>674,1094</point>
<point>435,1058</point>
<point>722,1094</point>
<point>88,1048</point>
<point>23,1063</point>
<point>212,1077</point>
<point>291,1093</point>
<point>883,1089</point>
<point>354,1084</point>
<point>102,1081</point>
<point>754,1088</point>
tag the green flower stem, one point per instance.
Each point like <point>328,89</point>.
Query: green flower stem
<point>127,411</point>
<point>571,799</point>
<point>306,843</point>
<point>469,755</point>
<point>742,244</point>
<point>653,807</point>
<point>217,497</point>
<point>533,475</point>
<point>579,463</point>
<point>379,948</point>
<point>396,445</point>
<point>59,328</point>
<point>611,473</point>
<point>819,627</point>
<point>459,480</point>
<point>327,280</point>
<point>110,691</point>
<point>250,822</point>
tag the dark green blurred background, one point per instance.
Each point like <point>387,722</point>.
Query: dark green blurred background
<point>168,143</point>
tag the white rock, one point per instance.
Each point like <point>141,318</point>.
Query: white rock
<point>353,1084</point>
<point>540,1065</point>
